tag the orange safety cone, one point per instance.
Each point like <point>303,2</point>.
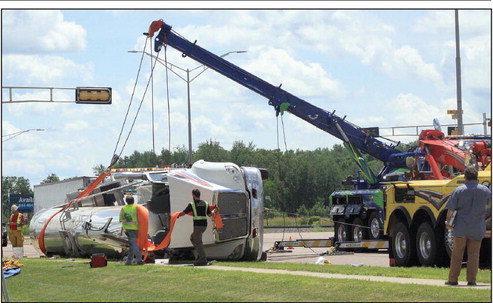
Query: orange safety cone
<point>290,247</point>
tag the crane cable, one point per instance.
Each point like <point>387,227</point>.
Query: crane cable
<point>279,164</point>
<point>152,100</point>
<point>279,160</point>
<point>140,105</point>
<point>131,99</point>
<point>167,98</point>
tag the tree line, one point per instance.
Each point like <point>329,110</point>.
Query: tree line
<point>300,181</point>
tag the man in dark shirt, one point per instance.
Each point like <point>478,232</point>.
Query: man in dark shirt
<point>200,210</point>
<point>470,202</point>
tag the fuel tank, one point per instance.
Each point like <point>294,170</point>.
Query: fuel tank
<point>80,232</point>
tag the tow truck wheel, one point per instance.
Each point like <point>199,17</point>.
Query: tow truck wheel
<point>376,228</point>
<point>341,231</point>
<point>402,245</point>
<point>358,230</point>
<point>426,244</point>
<point>449,241</point>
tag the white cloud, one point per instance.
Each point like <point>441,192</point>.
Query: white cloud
<point>471,22</point>
<point>43,70</point>
<point>38,31</point>
<point>408,59</point>
<point>303,79</point>
<point>412,110</point>
<point>78,126</point>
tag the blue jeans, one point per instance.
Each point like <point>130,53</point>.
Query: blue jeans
<point>134,249</point>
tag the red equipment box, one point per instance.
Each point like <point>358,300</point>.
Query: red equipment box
<point>98,260</point>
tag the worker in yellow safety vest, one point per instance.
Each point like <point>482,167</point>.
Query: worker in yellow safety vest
<point>130,223</point>
<point>200,210</point>
<point>16,223</point>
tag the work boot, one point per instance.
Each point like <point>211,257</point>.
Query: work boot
<point>18,252</point>
<point>451,283</point>
<point>201,263</point>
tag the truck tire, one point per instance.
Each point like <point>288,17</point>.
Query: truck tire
<point>448,240</point>
<point>358,231</point>
<point>376,229</point>
<point>443,255</point>
<point>426,245</point>
<point>341,231</point>
<point>402,245</point>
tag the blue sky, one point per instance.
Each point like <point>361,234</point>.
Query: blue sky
<point>383,68</point>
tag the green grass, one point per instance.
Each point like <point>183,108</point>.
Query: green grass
<point>46,280</point>
<point>300,220</point>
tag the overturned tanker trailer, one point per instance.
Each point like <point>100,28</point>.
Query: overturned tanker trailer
<point>91,224</point>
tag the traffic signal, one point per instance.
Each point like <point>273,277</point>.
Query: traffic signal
<point>93,95</point>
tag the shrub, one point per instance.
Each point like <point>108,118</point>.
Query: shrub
<point>314,220</point>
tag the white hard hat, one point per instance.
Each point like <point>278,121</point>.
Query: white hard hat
<point>14,208</point>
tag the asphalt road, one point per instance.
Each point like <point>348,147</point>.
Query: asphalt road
<point>312,255</point>
<point>296,254</point>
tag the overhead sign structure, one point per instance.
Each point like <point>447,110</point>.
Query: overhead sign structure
<point>25,202</point>
<point>93,95</point>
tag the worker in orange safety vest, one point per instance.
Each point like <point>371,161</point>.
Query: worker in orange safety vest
<point>16,223</point>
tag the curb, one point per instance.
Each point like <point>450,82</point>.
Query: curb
<point>430,282</point>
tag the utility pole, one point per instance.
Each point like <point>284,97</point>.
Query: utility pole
<point>460,124</point>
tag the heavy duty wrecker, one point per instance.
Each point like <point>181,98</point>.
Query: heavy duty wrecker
<point>401,208</point>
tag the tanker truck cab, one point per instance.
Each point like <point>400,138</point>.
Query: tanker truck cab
<point>237,192</point>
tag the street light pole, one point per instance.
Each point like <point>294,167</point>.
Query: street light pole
<point>460,122</point>
<point>170,67</point>
<point>13,135</point>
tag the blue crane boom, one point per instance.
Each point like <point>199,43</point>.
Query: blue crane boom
<point>282,100</point>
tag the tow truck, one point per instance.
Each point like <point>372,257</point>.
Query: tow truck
<point>403,205</point>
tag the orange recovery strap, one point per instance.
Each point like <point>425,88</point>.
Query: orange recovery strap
<point>86,192</point>
<point>216,217</point>
<point>143,238</point>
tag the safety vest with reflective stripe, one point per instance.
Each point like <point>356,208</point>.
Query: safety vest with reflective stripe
<point>19,221</point>
<point>131,210</point>
<point>195,215</point>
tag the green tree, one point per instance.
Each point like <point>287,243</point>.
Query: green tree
<point>13,185</point>
<point>242,154</point>
<point>211,151</point>
<point>98,169</point>
<point>50,179</point>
